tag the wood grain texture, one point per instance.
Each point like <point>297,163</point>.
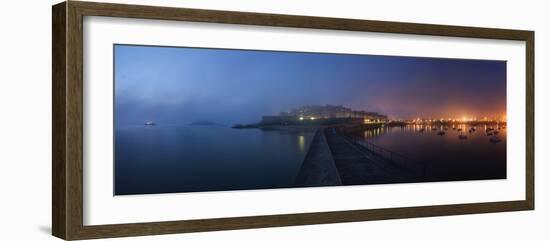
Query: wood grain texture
<point>74,121</point>
<point>67,78</point>
<point>280,20</point>
<point>58,121</point>
<point>530,120</point>
<point>155,228</point>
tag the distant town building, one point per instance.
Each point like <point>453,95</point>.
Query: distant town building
<point>326,113</point>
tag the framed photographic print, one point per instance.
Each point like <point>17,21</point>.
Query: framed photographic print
<point>171,120</point>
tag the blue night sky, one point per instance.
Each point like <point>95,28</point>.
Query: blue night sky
<point>182,85</point>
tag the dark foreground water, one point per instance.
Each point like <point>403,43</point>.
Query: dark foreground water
<point>187,158</point>
<point>446,158</point>
<point>168,159</point>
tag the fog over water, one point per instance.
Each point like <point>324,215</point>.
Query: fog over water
<point>182,85</point>
<point>216,88</point>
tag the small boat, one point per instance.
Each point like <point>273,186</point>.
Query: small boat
<point>472,129</point>
<point>489,129</point>
<point>489,133</point>
<point>462,137</point>
<point>441,133</point>
<point>149,123</point>
<point>495,132</point>
<point>454,128</point>
<point>459,129</point>
<point>494,139</point>
<point>421,130</point>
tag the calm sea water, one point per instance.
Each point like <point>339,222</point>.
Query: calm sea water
<point>446,157</point>
<point>187,158</point>
<point>167,159</point>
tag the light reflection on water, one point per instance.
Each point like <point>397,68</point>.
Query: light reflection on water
<point>302,143</point>
<point>163,159</point>
<point>447,157</point>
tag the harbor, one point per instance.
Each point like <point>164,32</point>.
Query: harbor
<point>358,147</point>
<point>407,153</point>
<point>335,145</point>
<point>192,119</point>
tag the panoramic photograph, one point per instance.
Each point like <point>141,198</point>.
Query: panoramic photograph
<point>192,119</point>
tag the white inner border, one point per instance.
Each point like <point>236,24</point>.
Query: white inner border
<point>101,207</point>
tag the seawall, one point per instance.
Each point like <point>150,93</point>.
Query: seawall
<point>318,168</point>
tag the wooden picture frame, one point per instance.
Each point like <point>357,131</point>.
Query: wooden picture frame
<point>67,150</point>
